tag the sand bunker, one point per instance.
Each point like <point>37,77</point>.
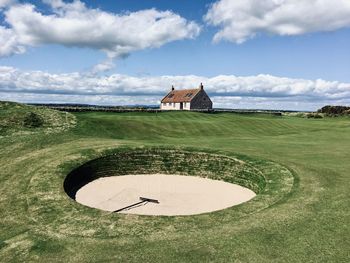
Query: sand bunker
<point>177,195</point>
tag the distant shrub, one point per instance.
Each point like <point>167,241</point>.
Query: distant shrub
<point>335,110</point>
<point>318,116</point>
<point>33,120</point>
<point>314,116</point>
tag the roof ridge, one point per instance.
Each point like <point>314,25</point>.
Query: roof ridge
<point>183,95</point>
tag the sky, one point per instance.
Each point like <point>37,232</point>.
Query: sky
<point>249,54</point>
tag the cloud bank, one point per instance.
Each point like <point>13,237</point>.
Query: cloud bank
<point>241,20</point>
<point>226,90</point>
<point>75,25</point>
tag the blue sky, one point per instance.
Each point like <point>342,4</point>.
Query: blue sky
<point>291,54</point>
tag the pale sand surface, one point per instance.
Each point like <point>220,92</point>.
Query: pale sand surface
<point>177,195</point>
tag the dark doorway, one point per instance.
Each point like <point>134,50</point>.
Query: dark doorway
<point>181,106</point>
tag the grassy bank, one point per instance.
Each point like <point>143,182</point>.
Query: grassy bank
<point>310,223</point>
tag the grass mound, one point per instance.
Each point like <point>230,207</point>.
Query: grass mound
<point>16,118</point>
<point>271,181</point>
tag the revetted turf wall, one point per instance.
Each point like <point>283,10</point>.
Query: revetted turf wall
<point>166,161</point>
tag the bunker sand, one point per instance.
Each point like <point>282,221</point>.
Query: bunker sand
<point>177,195</point>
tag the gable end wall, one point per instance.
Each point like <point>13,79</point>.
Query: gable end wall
<point>201,101</point>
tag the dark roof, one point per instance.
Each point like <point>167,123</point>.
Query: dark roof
<point>185,95</point>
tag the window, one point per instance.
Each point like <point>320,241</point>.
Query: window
<point>185,104</point>
<point>169,104</point>
<point>188,95</point>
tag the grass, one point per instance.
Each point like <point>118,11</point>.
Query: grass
<point>19,119</point>
<point>309,222</point>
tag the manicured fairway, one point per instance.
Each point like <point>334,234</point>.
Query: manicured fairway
<point>308,221</point>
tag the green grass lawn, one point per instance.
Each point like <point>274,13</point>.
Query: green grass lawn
<point>39,222</point>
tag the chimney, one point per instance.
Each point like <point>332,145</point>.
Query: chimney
<point>201,86</point>
<point>172,87</point>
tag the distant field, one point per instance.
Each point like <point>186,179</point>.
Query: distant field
<point>308,222</point>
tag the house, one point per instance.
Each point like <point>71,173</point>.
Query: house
<point>187,99</point>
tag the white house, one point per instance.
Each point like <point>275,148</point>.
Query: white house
<point>187,99</point>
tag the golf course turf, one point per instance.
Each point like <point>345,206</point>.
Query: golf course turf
<point>298,167</point>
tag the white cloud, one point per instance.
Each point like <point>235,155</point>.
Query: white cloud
<point>240,20</point>
<point>74,24</point>
<point>261,91</point>
<point>79,99</point>
<point>104,66</point>
<point>9,43</point>
<point>5,3</point>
